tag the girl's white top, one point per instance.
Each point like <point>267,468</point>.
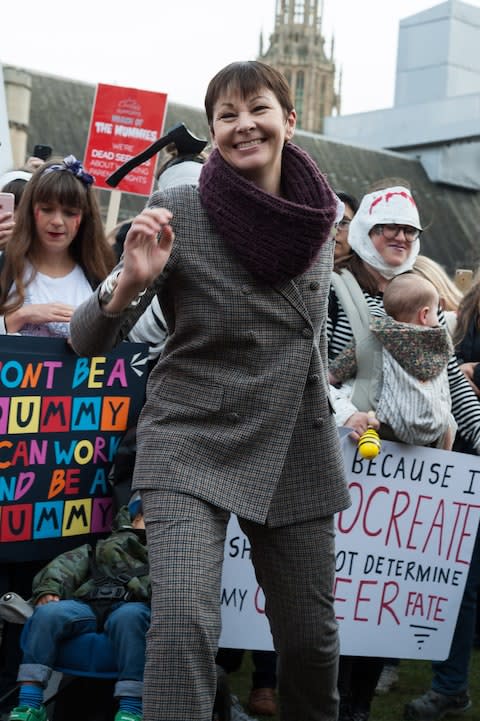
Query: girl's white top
<point>71,289</point>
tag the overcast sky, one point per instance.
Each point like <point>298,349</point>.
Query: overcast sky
<point>175,46</point>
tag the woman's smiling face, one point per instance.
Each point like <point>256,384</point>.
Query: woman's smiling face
<point>394,250</point>
<point>250,133</point>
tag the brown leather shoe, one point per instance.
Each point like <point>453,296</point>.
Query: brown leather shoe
<point>262,701</point>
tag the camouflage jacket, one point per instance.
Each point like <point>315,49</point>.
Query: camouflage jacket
<point>70,574</point>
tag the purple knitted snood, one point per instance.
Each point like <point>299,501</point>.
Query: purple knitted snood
<point>276,238</point>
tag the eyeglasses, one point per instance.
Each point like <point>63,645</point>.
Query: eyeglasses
<point>391,230</point>
<point>344,223</point>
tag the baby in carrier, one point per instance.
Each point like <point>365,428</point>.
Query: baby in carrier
<point>412,390</point>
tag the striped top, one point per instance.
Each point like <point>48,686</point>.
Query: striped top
<point>151,328</point>
<point>465,404</point>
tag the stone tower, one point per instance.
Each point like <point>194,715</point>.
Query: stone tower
<point>297,50</point>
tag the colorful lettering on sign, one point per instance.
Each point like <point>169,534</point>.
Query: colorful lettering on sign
<point>55,414</point>
<point>62,419</point>
<point>52,519</point>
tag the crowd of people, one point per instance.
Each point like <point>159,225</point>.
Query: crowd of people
<point>277,309</point>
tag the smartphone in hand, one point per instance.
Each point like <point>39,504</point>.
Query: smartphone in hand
<point>7,203</point>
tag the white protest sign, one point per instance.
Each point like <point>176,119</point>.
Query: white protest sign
<point>403,553</point>
<point>404,548</point>
<point>244,624</point>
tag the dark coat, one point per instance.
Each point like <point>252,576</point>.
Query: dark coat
<point>70,574</point>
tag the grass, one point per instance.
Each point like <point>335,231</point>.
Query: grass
<point>415,678</point>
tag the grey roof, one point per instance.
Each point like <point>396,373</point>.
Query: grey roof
<point>60,116</point>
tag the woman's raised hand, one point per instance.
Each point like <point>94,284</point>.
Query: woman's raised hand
<point>147,247</point>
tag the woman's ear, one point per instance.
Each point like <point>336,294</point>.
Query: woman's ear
<point>290,124</point>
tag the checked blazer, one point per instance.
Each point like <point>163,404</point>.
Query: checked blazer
<point>237,410</point>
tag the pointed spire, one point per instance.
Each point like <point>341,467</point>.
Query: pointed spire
<point>298,26</point>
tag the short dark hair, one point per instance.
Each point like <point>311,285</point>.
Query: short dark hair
<point>348,200</point>
<point>247,77</point>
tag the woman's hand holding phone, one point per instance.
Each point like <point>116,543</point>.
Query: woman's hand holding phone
<point>7,206</point>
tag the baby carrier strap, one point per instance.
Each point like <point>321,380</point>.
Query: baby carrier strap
<point>368,349</point>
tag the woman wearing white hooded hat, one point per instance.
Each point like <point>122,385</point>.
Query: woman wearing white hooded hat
<point>384,238</point>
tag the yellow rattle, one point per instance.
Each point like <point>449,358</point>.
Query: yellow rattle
<point>369,443</point>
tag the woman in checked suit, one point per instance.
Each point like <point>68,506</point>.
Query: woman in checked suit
<point>237,417</point>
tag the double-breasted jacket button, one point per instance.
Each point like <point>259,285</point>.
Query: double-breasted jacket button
<point>233,417</point>
<point>307,333</point>
<point>318,422</point>
<point>313,378</point>
<point>314,285</point>
<point>246,289</point>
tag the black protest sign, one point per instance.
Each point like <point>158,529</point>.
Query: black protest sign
<point>62,418</point>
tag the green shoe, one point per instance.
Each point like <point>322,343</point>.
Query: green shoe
<point>27,713</point>
<point>127,716</point>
